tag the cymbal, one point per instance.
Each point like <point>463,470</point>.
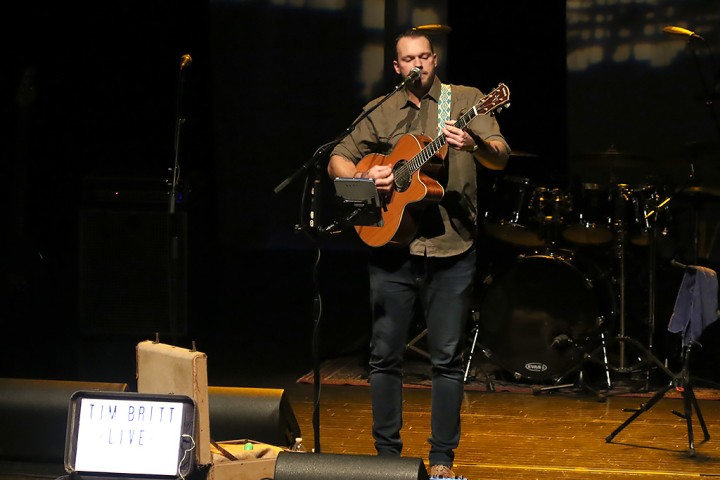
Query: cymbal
<point>612,158</point>
<point>698,193</point>
<point>520,153</point>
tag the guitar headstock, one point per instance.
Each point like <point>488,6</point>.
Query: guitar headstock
<point>496,100</point>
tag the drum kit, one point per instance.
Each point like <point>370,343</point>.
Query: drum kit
<point>556,301</point>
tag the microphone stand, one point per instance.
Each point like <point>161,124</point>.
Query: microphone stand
<point>172,218</point>
<point>321,152</point>
<point>709,96</point>
<point>692,180</point>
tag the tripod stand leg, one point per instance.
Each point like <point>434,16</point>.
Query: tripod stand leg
<point>699,414</point>
<point>690,401</point>
<point>687,403</point>
<point>643,408</point>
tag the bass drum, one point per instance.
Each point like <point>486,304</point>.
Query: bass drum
<point>537,318</point>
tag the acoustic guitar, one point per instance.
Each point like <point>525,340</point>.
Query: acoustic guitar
<point>415,161</point>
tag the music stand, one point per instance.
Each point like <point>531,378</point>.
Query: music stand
<point>359,202</point>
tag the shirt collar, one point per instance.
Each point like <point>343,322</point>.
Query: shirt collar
<point>434,93</point>
<point>435,88</point>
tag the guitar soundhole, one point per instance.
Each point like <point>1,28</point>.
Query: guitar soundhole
<point>402,176</point>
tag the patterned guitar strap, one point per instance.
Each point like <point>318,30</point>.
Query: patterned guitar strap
<point>443,107</point>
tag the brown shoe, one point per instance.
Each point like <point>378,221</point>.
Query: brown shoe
<point>441,471</point>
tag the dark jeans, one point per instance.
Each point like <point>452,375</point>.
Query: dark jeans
<point>443,287</point>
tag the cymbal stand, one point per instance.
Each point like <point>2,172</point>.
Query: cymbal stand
<point>620,225</point>
<point>621,260</point>
<point>651,217</point>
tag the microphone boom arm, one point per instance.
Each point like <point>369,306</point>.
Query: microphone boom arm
<point>324,149</point>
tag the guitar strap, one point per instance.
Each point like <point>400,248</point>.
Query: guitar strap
<point>443,107</point>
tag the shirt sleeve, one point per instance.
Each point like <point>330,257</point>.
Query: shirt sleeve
<point>361,141</point>
<point>484,126</point>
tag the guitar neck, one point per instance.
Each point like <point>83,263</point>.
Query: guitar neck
<point>434,147</point>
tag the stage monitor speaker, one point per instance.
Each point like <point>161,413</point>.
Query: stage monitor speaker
<point>132,272</point>
<point>34,416</point>
<point>261,414</point>
<point>332,466</point>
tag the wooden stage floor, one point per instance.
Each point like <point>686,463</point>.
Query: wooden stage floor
<point>519,436</point>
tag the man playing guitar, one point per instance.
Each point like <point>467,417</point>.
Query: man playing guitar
<point>431,269</point>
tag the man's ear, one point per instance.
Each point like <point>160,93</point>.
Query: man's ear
<point>396,66</point>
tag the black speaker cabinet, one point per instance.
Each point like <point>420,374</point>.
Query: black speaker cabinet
<point>132,272</point>
<point>331,466</point>
<point>33,417</point>
<point>261,414</point>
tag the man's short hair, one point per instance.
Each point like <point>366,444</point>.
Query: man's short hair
<point>412,33</point>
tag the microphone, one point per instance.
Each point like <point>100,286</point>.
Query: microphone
<point>682,31</point>
<point>185,61</point>
<point>412,76</point>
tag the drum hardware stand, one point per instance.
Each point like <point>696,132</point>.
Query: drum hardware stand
<point>475,315</point>
<point>620,223</point>
<point>580,382</point>
<point>411,344</point>
<point>652,278</point>
<point>489,385</point>
<point>475,332</point>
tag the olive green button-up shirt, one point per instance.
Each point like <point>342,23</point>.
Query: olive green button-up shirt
<point>449,227</point>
